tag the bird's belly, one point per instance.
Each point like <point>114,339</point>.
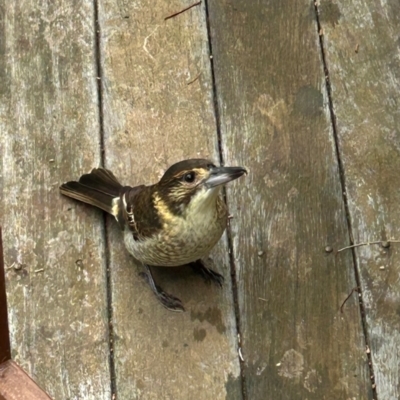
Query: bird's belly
<point>177,244</point>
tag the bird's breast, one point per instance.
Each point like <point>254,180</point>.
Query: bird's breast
<point>182,240</point>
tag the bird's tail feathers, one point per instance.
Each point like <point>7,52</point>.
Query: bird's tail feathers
<point>98,188</point>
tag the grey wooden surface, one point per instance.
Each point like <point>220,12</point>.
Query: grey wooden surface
<point>365,91</point>
<point>153,118</point>
<point>83,322</point>
<point>275,120</point>
<point>53,248</point>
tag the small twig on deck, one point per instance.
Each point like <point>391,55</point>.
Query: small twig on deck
<point>357,245</point>
<point>260,298</point>
<point>11,266</point>
<point>195,79</point>
<point>384,244</point>
<point>182,11</point>
<point>240,354</point>
<point>356,289</point>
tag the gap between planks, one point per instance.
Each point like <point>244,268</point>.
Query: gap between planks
<point>232,265</point>
<point>99,76</point>
<point>344,195</point>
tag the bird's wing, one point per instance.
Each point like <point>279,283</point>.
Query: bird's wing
<point>137,212</point>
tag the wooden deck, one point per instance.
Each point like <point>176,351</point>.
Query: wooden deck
<point>306,96</point>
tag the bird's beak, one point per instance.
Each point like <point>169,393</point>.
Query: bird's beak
<point>221,175</point>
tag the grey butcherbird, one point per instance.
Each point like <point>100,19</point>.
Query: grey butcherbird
<point>174,222</point>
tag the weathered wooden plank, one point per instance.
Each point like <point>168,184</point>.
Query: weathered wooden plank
<point>53,247</point>
<point>153,118</point>
<point>362,45</point>
<point>275,120</point>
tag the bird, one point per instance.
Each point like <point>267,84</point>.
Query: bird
<point>174,222</point>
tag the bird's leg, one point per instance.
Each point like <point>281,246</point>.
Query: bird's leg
<point>170,302</point>
<point>208,274</point>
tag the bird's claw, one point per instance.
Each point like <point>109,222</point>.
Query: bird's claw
<point>208,274</point>
<point>169,301</point>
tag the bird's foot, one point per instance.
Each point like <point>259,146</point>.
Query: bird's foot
<point>170,302</point>
<point>207,273</point>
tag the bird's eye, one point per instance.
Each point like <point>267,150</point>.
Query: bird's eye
<point>189,177</point>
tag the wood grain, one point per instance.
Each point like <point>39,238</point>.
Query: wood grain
<point>15,384</point>
<point>153,118</point>
<point>365,90</point>
<point>53,247</point>
<point>275,121</point>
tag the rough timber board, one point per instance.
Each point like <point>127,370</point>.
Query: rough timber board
<point>49,133</point>
<point>275,120</point>
<point>153,118</point>
<point>365,90</point>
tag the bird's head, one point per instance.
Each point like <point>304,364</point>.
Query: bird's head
<point>194,184</point>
